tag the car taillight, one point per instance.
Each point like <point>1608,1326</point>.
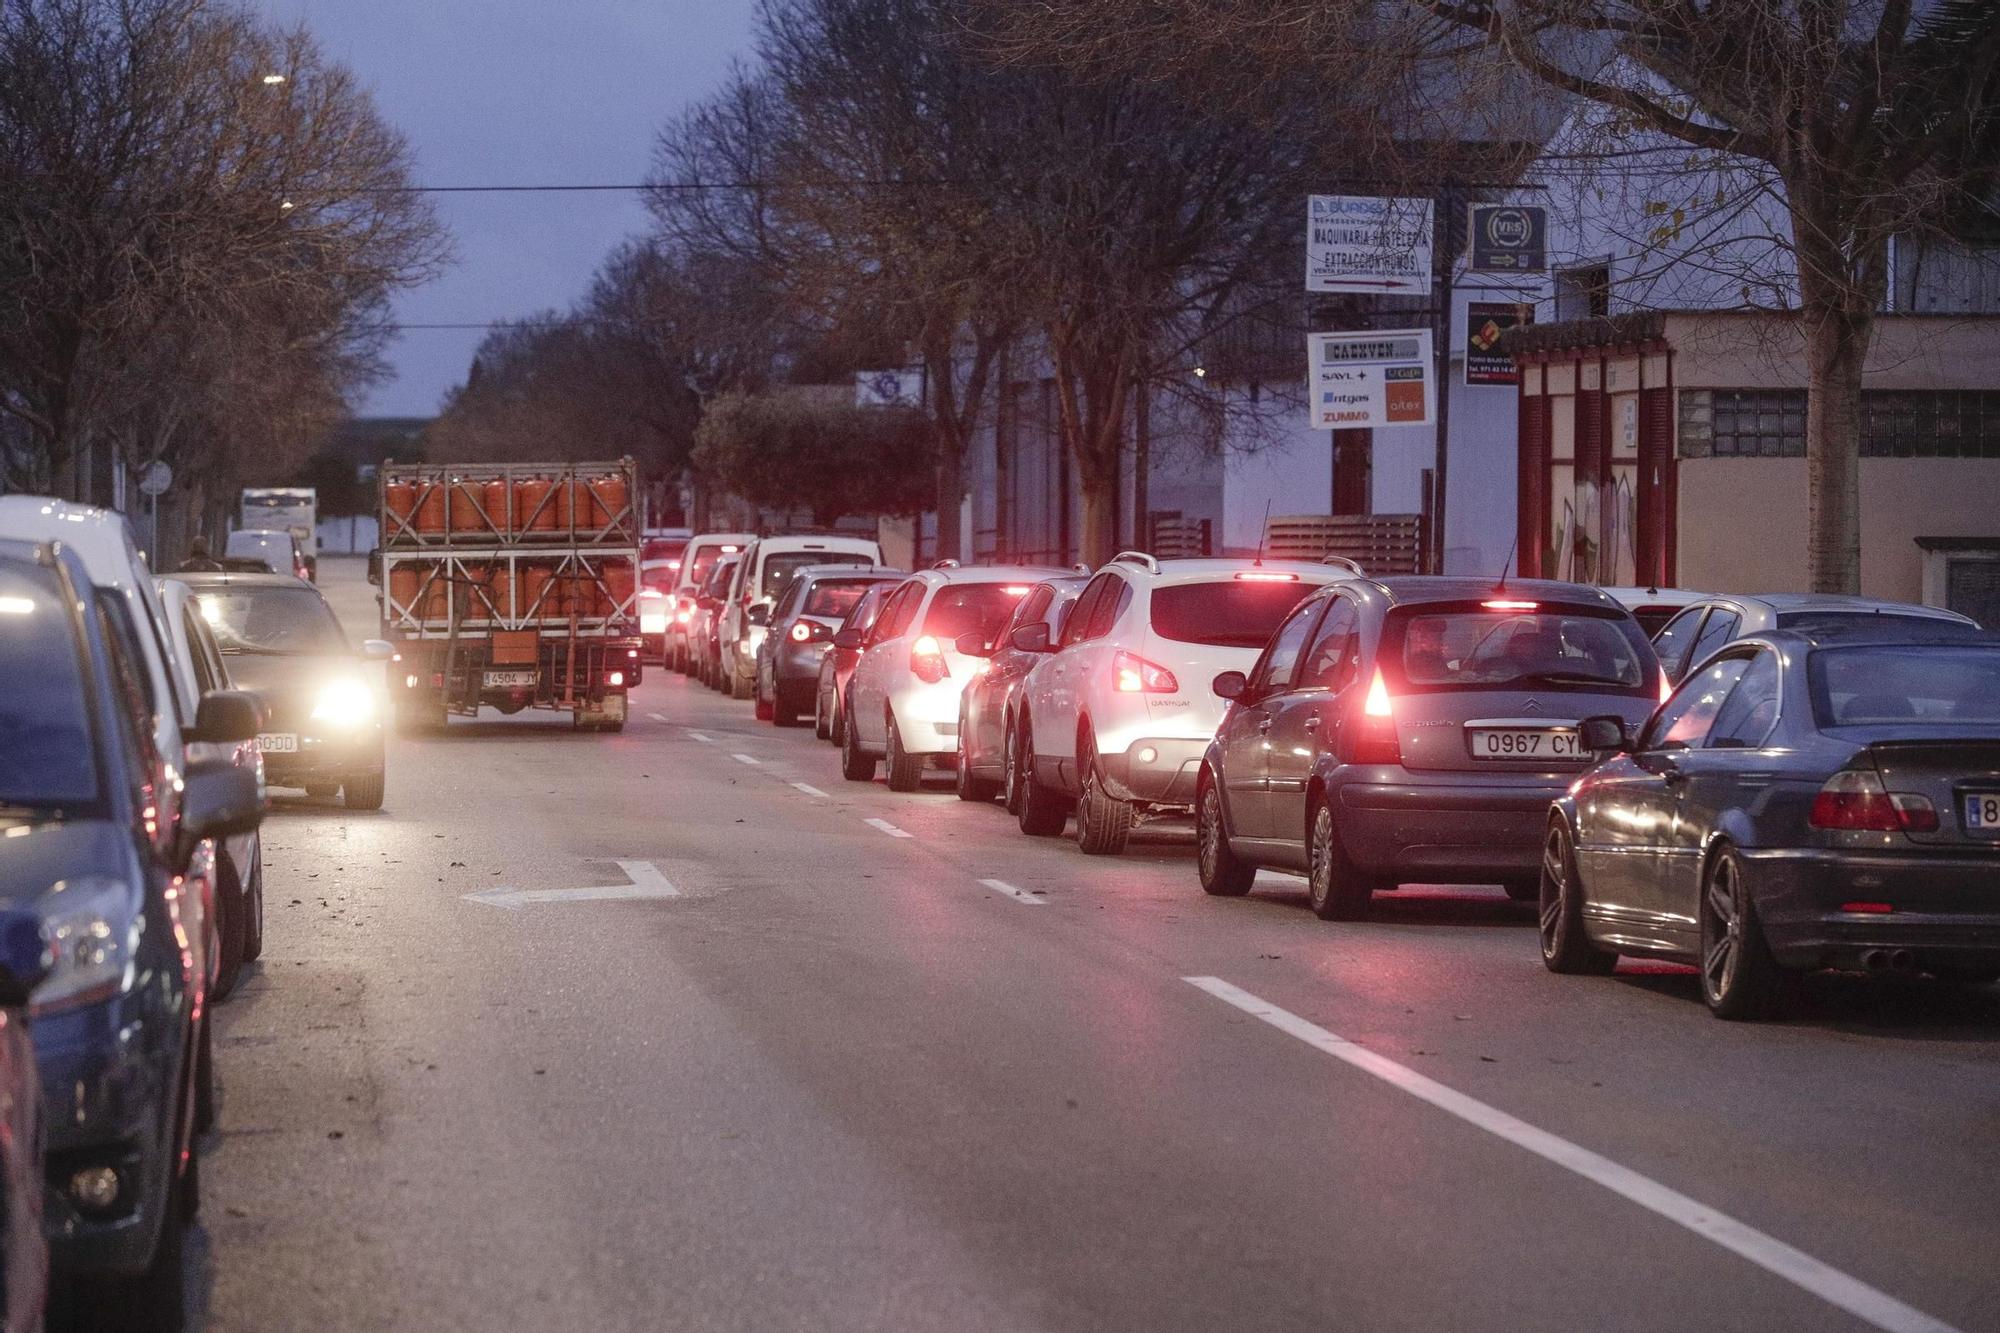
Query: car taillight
<point>615,679</point>
<point>927,662</point>
<point>1510,604</point>
<point>805,631</point>
<point>1854,800</point>
<point>1375,741</point>
<point>1265,576</point>
<point>1132,674</point>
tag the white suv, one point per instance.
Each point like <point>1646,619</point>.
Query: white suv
<point>763,572</point>
<point>1117,719</point>
<point>698,557</point>
<point>902,700</point>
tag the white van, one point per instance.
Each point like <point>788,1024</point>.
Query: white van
<point>762,575</point>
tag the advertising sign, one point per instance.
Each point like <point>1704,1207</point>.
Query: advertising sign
<point>1360,244</point>
<point>1508,238</point>
<point>1485,321</point>
<point>1372,379</point>
<point>889,388</point>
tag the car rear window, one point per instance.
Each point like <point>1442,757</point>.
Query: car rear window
<point>781,566</point>
<point>46,755</point>
<point>271,619</point>
<point>834,598</point>
<point>662,548</point>
<point>1228,613</point>
<point>1548,648</point>
<point>1884,685</point>
<point>1653,619</point>
<point>1808,621</point>
<point>973,608</point>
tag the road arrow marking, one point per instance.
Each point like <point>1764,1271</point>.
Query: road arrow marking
<point>698,736</point>
<point>647,882</point>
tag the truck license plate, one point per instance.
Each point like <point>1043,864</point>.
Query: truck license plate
<point>1982,812</point>
<point>504,680</point>
<point>1523,743</point>
<point>278,742</point>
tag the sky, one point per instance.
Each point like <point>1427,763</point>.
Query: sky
<point>519,92</point>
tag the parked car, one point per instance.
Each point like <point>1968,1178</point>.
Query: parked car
<point>986,709</point>
<point>1654,607</point>
<point>707,620</point>
<point>275,548</point>
<point>24,1245</point>
<point>801,629</point>
<point>663,546</point>
<point>105,837</point>
<point>1116,720</point>
<point>239,888</point>
<point>322,728</point>
<point>762,574</point>
<point>902,700</point>
<point>656,583</point>
<point>698,561</point>
<point>836,668</point>
<point>1693,635</point>
<point>1413,728</point>
<point>1806,799</point>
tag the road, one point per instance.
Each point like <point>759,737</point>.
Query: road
<point>883,1062</point>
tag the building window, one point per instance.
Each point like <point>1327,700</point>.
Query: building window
<point>1757,423</point>
<point>1895,423</point>
<point>1583,293</point>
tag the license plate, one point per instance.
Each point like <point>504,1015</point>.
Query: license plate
<point>1523,743</point>
<point>503,680</point>
<point>1982,812</point>
<point>278,742</point>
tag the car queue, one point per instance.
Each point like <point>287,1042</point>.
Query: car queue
<point>134,767</point>
<point>1769,785</point>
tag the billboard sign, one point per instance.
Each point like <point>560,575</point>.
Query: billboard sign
<point>1355,243</point>
<point>1508,238</point>
<point>1362,380</point>
<point>1485,321</point>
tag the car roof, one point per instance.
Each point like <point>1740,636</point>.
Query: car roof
<point>988,574</point>
<point>1636,596</point>
<point>1201,569</point>
<point>880,572</point>
<point>229,578</point>
<point>98,536</point>
<point>1941,633</point>
<point>806,541</point>
<point>1415,589</point>
<point>1828,601</point>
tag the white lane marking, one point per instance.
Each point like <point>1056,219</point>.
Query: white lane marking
<point>746,759</point>
<point>1018,895</point>
<point>1767,1252</point>
<point>657,717</point>
<point>702,737</point>
<point>887,828</point>
<point>811,790</point>
<point>646,882</point>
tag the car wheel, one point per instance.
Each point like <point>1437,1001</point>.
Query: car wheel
<point>1010,772</point>
<point>1565,948</point>
<point>821,731</point>
<point>906,770</point>
<point>364,791</point>
<point>969,787</point>
<point>1739,977</point>
<point>1222,874</point>
<point>836,727</point>
<point>1103,822</point>
<point>854,765</point>
<point>231,909</point>
<point>253,904</point>
<point>1337,890</point>
<point>739,688</point>
<point>1043,812</point>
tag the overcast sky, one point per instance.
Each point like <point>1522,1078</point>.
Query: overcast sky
<point>520,92</point>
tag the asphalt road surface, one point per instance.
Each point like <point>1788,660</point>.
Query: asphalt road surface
<point>839,1058</point>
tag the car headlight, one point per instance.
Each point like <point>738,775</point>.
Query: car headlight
<point>345,703</point>
<point>92,936</point>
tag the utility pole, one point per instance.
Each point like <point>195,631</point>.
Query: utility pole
<point>1446,219</point>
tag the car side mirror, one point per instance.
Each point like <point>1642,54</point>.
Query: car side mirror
<point>377,650</point>
<point>1031,638</point>
<point>225,717</point>
<point>847,638</point>
<point>375,566</point>
<point>973,645</point>
<point>1603,735</point>
<point>1231,685</point>
<point>24,957</point>
<point>758,614</point>
<point>219,800</point>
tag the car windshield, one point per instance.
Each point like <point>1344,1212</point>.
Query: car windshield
<point>660,578</point>
<point>46,755</point>
<point>972,608</point>
<point>271,619</point>
<point>1228,613</point>
<point>780,567</point>
<point>1809,621</point>
<point>834,598</point>
<point>1887,684</point>
<point>1542,649</point>
<point>259,546</point>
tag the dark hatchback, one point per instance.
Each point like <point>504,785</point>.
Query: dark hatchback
<point>323,724</point>
<point>802,625</point>
<point>1413,728</point>
<point>100,839</point>
<point>1803,801</point>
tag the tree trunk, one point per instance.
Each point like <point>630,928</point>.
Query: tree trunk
<point>1142,465</point>
<point>950,499</point>
<point>1837,334</point>
<point>1100,518</point>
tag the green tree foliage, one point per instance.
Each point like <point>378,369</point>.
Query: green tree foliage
<point>792,447</point>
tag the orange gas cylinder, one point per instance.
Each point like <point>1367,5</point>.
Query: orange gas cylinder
<point>618,581</point>
<point>465,500</point>
<point>531,515</point>
<point>430,509</point>
<point>493,582</point>
<point>498,511</point>
<point>607,500</point>
<point>534,577</point>
<point>403,583</point>
<point>400,499</point>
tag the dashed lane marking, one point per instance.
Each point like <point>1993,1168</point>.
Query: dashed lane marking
<point>888,828</point>
<point>657,717</point>
<point>703,737</point>
<point>811,790</point>
<point>746,759</point>
<point>1772,1255</point>
<point>1018,895</point>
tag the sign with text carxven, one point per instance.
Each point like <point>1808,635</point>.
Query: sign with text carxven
<point>1509,238</point>
<point>1359,244</point>
<point>1371,379</point>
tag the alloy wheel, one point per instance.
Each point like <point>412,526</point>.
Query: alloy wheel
<point>1723,938</point>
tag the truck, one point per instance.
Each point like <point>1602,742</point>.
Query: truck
<point>293,509</point>
<point>510,586</point>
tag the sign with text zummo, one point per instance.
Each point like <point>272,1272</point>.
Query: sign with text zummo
<point>1508,238</point>
<point>1371,379</point>
<point>1361,244</point>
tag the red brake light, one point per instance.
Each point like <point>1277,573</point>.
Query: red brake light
<point>1870,909</point>
<point>1266,576</point>
<point>1016,590</point>
<point>1132,674</point>
<point>1854,800</point>
<point>1509,604</point>
<point>1376,741</point>
<point>1377,703</point>
<point>927,662</point>
<point>805,631</point>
